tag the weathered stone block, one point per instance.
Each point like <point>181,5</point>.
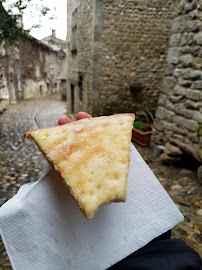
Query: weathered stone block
<point>162,99</point>
<point>173,55</point>
<point>198,117</point>
<point>185,123</point>
<point>181,110</point>
<point>186,60</point>
<point>200,52</point>
<point>167,125</point>
<point>196,51</point>
<point>196,74</point>
<point>193,26</point>
<point>197,63</point>
<point>185,49</point>
<point>177,137</point>
<point>185,83</point>
<point>163,113</point>
<point>157,136</point>
<point>179,90</point>
<point>199,174</point>
<point>190,5</point>
<point>177,72</point>
<point>187,39</point>
<point>193,137</point>
<point>168,85</point>
<point>175,40</point>
<point>190,125</point>
<point>179,24</point>
<point>186,73</point>
<point>186,113</point>
<point>175,99</point>
<point>179,130</point>
<point>197,85</point>
<point>168,70</point>
<point>189,104</point>
<point>170,106</point>
<point>198,38</point>
<point>193,94</point>
<point>158,125</point>
<point>194,14</point>
<point>168,134</point>
<point>172,150</point>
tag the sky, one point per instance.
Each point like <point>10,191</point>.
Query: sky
<point>32,17</point>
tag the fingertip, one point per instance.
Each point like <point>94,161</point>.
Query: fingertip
<point>82,115</point>
<point>63,120</point>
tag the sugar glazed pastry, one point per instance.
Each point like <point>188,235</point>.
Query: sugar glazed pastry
<point>92,157</point>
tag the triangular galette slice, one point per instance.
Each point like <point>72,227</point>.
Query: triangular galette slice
<point>92,156</point>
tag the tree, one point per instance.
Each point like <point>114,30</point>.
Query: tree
<point>10,14</point>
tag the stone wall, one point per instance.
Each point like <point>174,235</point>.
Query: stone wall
<point>80,55</point>
<point>131,40</point>
<point>41,67</point>
<point>31,69</point>
<point>4,94</point>
<point>121,52</point>
<point>179,113</point>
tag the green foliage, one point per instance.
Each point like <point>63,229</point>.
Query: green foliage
<point>11,13</point>
<point>199,131</point>
<point>9,32</point>
<point>141,126</point>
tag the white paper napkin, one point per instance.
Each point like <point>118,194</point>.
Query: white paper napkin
<point>43,228</point>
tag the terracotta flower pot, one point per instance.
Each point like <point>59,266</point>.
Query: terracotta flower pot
<point>143,138</point>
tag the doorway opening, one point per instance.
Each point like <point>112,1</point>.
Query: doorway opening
<point>80,88</point>
<point>72,98</point>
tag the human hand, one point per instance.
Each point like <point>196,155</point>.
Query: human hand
<point>65,120</point>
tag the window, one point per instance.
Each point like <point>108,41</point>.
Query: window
<point>74,31</point>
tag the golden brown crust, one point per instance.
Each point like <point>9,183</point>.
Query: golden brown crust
<point>91,156</point>
<point>28,133</point>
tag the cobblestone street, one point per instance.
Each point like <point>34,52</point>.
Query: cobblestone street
<point>21,162</point>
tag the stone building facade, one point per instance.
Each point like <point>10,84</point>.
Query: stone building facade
<point>179,113</point>
<point>116,54</point>
<point>31,69</point>
<point>60,46</point>
<point>4,94</point>
<point>80,55</point>
<point>54,42</point>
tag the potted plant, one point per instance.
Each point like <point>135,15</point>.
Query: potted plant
<point>141,133</point>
